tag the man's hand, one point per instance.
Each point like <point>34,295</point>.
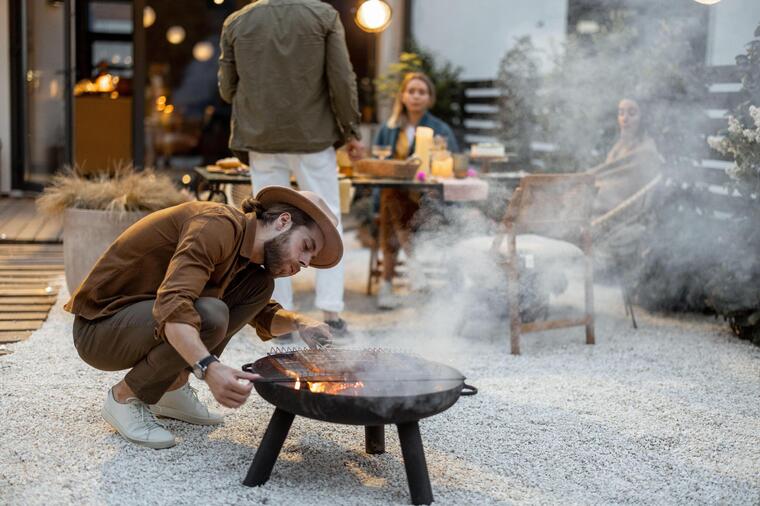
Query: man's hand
<point>223,383</point>
<point>355,149</point>
<point>314,333</point>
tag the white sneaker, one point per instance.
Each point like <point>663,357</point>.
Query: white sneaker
<point>385,297</point>
<point>136,423</point>
<point>183,404</point>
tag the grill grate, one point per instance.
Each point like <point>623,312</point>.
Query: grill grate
<point>306,363</point>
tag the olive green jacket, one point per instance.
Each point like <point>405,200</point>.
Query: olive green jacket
<point>285,69</point>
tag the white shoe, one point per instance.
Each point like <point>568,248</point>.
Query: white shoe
<point>385,297</point>
<point>183,404</point>
<point>136,423</point>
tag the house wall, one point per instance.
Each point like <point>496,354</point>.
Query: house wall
<point>477,33</point>
<point>732,23</point>
<point>5,99</point>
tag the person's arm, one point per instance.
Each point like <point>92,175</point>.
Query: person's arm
<point>222,380</point>
<point>204,241</point>
<point>341,82</point>
<point>228,76</point>
<point>314,332</point>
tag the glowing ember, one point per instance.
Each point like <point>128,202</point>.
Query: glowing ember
<point>297,386</point>
<point>328,387</point>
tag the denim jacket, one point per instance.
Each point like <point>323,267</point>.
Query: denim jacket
<point>388,136</point>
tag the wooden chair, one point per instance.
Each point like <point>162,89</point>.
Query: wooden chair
<point>624,188</point>
<point>558,206</point>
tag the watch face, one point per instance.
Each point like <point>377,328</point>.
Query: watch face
<point>199,371</point>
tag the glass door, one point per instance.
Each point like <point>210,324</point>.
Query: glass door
<point>41,91</point>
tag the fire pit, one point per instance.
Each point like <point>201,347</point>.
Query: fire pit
<point>373,388</point>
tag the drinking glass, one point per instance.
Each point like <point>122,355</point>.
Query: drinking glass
<point>381,151</point>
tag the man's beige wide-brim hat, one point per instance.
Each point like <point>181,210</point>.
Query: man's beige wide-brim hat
<point>313,205</point>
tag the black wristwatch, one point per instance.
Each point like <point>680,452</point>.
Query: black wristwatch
<point>200,367</point>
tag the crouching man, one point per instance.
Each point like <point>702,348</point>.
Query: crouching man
<point>171,291</point>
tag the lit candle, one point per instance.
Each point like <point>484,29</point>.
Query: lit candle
<point>423,145</point>
<point>442,164</point>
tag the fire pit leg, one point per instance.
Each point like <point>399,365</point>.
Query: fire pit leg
<point>414,462</point>
<point>269,448</point>
<point>374,439</point>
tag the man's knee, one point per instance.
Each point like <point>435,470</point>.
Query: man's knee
<point>215,316</point>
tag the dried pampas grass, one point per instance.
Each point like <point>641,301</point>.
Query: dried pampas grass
<point>123,190</point>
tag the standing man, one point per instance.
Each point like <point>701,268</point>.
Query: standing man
<point>170,292</point>
<point>285,69</point>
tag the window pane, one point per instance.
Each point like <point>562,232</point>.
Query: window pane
<point>116,55</point>
<point>109,17</point>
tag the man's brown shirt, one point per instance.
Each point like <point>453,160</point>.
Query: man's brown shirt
<point>173,256</point>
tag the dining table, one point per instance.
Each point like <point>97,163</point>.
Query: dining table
<point>449,191</point>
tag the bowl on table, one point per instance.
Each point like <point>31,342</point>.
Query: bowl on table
<point>390,169</point>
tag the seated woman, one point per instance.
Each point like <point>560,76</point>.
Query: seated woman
<point>632,164</point>
<point>415,97</point>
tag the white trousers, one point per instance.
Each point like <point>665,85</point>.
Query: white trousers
<point>317,172</point>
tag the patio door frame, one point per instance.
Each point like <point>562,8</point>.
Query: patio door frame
<point>18,17</point>
<point>19,94</point>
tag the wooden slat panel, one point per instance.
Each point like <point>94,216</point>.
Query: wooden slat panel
<point>22,276</point>
<point>13,227</point>
<point>14,336</point>
<point>7,299</point>
<point>15,248</point>
<point>479,84</point>
<point>38,267</point>
<point>7,218</point>
<point>30,229</point>
<point>723,74</point>
<point>5,203</point>
<point>482,100</point>
<point>29,276</point>
<point>484,131</point>
<point>700,174</point>
<point>493,116</point>
<point>28,291</point>
<point>46,257</point>
<point>22,308</point>
<point>52,231</point>
<point>31,247</point>
<point>724,100</point>
<point>21,316</point>
<point>27,282</point>
<point>53,262</point>
<point>20,325</point>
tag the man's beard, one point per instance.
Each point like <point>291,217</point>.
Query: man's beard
<point>276,252</point>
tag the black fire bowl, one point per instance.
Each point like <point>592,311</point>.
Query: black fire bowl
<point>375,405</point>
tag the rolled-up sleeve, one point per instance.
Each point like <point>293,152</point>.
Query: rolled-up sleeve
<point>204,241</point>
<point>262,322</point>
<point>342,81</point>
<point>228,76</point>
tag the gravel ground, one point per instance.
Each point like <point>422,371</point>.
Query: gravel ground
<point>667,414</point>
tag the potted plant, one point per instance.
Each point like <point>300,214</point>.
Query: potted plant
<point>97,209</point>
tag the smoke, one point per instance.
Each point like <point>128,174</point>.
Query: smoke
<point>572,107</point>
<point>694,247</point>
<point>465,297</point>
<point>658,59</point>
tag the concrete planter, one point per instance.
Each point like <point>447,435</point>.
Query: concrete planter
<point>87,233</point>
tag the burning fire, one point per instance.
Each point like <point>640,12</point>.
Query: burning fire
<point>329,387</point>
